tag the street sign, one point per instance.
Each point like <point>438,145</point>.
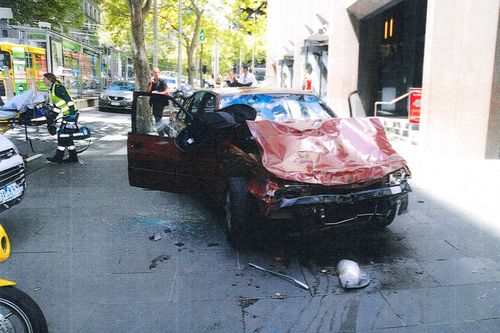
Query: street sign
<point>6,13</point>
<point>415,102</point>
<point>202,35</point>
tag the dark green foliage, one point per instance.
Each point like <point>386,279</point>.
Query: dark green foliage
<point>64,12</point>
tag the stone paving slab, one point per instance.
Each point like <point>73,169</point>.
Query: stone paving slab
<point>329,313</point>
<point>446,304</point>
<point>465,270</point>
<point>185,316</point>
<point>458,327</point>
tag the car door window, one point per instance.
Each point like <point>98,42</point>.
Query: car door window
<point>209,103</point>
<point>196,104</point>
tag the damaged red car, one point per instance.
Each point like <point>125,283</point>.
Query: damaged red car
<point>269,155</point>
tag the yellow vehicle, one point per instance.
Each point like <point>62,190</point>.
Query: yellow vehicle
<point>22,67</point>
<point>18,311</point>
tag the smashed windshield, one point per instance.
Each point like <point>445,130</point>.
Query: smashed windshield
<point>282,107</point>
<point>129,86</point>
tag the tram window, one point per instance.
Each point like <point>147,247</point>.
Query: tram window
<point>29,60</point>
<point>4,60</point>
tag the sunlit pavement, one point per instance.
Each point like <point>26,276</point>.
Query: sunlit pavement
<point>470,186</point>
<point>82,249</point>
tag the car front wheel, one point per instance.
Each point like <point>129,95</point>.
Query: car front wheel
<point>380,222</point>
<point>239,212</point>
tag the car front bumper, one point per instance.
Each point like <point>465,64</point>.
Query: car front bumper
<point>330,210</point>
<point>115,105</point>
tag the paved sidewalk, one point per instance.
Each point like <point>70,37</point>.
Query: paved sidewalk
<point>469,186</point>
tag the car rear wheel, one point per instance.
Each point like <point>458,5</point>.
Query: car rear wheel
<point>239,212</point>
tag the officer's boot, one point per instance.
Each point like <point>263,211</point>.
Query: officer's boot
<point>73,157</point>
<point>58,157</point>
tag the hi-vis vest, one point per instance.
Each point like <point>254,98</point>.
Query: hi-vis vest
<point>60,105</point>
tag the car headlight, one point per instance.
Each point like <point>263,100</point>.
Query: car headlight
<point>128,98</point>
<point>397,177</point>
<point>104,96</point>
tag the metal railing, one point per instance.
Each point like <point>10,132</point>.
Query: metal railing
<point>394,101</point>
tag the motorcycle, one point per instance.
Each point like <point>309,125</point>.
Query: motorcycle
<point>18,311</point>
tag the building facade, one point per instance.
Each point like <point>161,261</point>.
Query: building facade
<point>380,49</point>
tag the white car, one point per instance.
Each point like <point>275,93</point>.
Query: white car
<point>12,176</point>
<point>172,83</point>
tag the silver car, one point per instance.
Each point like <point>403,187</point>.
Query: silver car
<point>117,97</point>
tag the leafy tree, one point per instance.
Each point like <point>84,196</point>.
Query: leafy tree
<point>192,13</point>
<point>64,12</point>
<point>249,23</point>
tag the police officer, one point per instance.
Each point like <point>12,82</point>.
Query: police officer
<point>64,105</point>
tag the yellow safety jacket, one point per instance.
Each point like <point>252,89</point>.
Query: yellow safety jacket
<point>60,105</point>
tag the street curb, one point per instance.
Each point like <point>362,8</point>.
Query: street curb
<point>34,157</point>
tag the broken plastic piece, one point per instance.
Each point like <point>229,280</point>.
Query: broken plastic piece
<point>279,296</point>
<point>351,276</point>
<point>179,243</point>
<point>283,276</point>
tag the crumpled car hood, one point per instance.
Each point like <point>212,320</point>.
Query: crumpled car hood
<point>336,151</point>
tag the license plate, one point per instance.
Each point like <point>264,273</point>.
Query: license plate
<point>395,189</point>
<point>115,103</point>
<point>9,192</point>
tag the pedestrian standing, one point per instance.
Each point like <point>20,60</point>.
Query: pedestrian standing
<point>246,78</point>
<point>65,106</point>
<point>232,80</point>
<point>307,82</point>
<point>157,86</point>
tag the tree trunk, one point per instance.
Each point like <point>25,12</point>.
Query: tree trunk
<point>139,11</point>
<point>191,44</point>
<point>190,64</point>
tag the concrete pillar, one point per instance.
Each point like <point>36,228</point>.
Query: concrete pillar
<point>459,63</point>
<point>343,54</point>
<point>493,135</point>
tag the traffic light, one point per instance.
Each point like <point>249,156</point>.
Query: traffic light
<point>204,69</point>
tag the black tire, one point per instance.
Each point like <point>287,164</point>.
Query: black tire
<point>26,314</point>
<point>239,212</point>
<point>103,109</point>
<point>388,217</point>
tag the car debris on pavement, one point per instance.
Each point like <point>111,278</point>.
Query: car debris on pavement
<point>351,276</point>
<point>283,276</point>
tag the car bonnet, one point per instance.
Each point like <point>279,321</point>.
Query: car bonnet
<point>119,93</point>
<point>337,151</point>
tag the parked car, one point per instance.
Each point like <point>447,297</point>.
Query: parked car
<point>184,91</point>
<point>274,154</point>
<point>117,97</point>
<point>172,83</point>
<point>12,177</point>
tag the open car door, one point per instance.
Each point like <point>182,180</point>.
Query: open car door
<point>156,162</point>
